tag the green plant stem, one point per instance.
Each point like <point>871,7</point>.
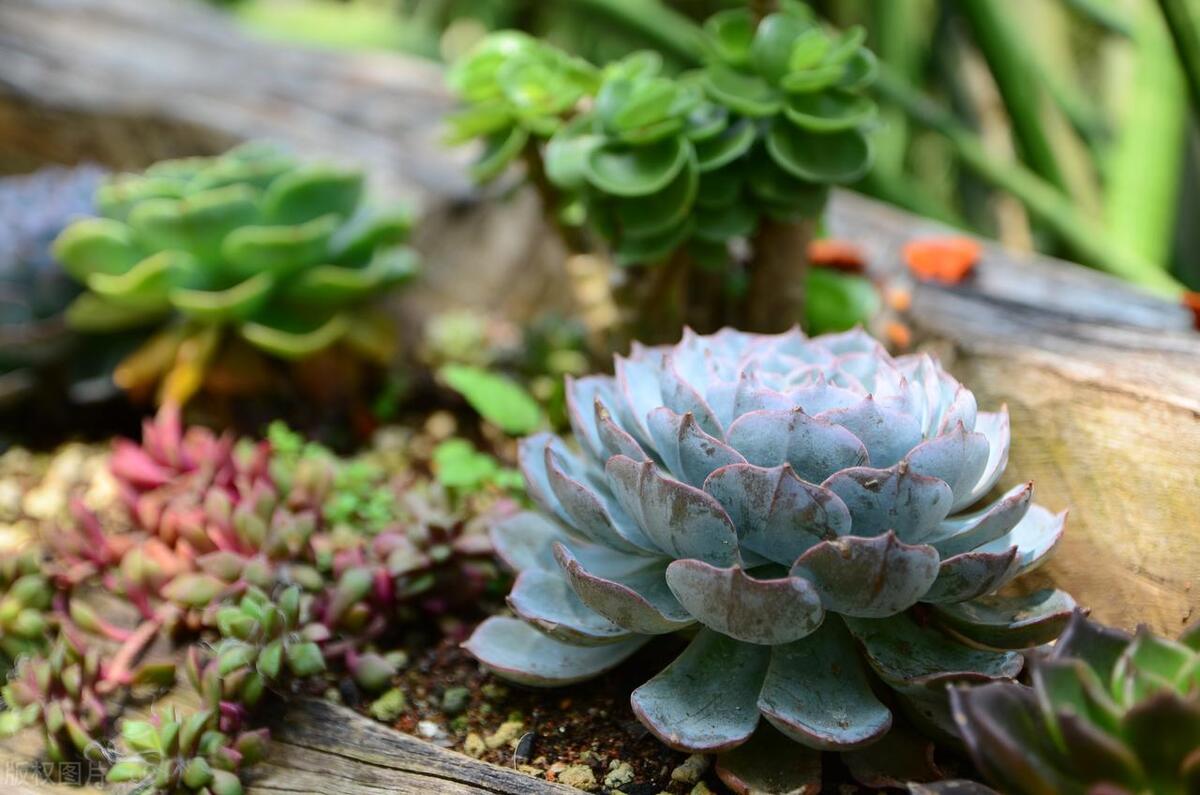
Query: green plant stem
<point>1146,160</point>
<point>1088,238</point>
<point>1101,13</point>
<point>900,41</point>
<point>667,28</point>
<point>1186,36</point>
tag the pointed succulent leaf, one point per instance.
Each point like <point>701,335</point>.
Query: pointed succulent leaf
<point>683,521</point>
<point>637,599</point>
<point>517,651</point>
<point>548,602</point>
<point>971,575</point>
<point>888,434</point>
<point>896,499</point>
<point>688,451</point>
<point>995,426</point>
<point>776,514</point>
<point>751,610</point>
<point>871,577</point>
<point>591,512</point>
<point>691,710</point>
<point>1010,622</point>
<point>965,532</point>
<point>956,457</point>
<point>525,541</point>
<point>815,449</point>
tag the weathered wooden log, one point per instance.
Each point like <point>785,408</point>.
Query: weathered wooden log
<point>1103,384</point>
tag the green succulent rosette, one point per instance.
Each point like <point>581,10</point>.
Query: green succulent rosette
<point>281,252</point>
<point>514,89</point>
<point>800,87</point>
<point>1106,712</point>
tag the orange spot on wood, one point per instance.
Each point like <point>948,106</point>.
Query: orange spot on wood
<point>899,335</point>
<point>840,255</point>
<point>1192,301</point>
<point>948,260</point>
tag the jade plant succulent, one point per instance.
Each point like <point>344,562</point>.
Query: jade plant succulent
<point>1106,713</point>
<point>255,242</point>
<point>687,168</point>
<point>806,509</point>
<point>25,597</point>
<point>185,754</point>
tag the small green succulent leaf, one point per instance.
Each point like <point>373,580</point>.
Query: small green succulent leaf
<point>653,248</point>
<point>839,301</point>
<point>500,150</point>
<point>647,216</point>
<point>567,153</point>
<point>860,71</point>
<point>479,121</point>
<point>193,590</point>
<point>774,40</point>
<point>282,250</point>
<point>836,157</point>
<point>141,735</point>
<point>197,223</point>
<point>688,709</point>
<point>309,192</point>
<point>730,35</point>
<point>127,770</point>
<point>144,287</point>
<point>291,342</point>
<point>728,146</point>
<point>336,285</point>
<point>459,465</point>
<point>817,692</point>
<point>523,654</point>
<point>304,659</point>
<point>498,399</point>
<point>368,230</point>
<point>220,306</point>
<point>718,225</point>
<point>747,94</point>
<point>829,111</point>
<point>637,170</point>
<point>96,246</point>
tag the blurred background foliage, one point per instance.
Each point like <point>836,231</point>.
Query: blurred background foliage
<point>1065,126</point>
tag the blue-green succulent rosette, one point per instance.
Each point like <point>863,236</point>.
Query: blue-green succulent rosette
<point>284,253</point>
<point>811,512</point>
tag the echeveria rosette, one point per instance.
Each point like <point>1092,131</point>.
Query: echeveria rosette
<point>1106,712</point>
<point>799,87</point>
<point>806,507</point>
<point>283,252</point>
<point>515,89</point>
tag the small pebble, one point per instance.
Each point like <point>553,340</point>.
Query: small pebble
<point>619,774</point>
<point>455,699</point>
<point>579,777</point>
<point>474,745</point>
<point>509,732</point>
<point>390,706</point>
<point>691,770</point>
<point>430,730</point>
<point>701,789</point>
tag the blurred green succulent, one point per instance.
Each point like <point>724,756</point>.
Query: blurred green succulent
<point>25,596</point>
<point>516,88</point>
<point>653,161</point>
<point>173,753</point>
<point>283,253</point>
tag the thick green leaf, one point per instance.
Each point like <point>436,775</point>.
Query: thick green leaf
<point>1010,622</point>
<point>91,313</point>
<point>730,35</point>
<point>655,248</point>
<point>735,141</point>
<point>829,111</point>
<point>358,238</point>
<point>145,286</point>
<point>771,52</point>
<point>291,342</point>
<point>770,764</point>
<point>311,191</point>
<point>747,94</point>
<point>568,151</point>
<point>282,250</point>
<point>198,223</point>
<point>333,285</point>
<point>500,150</point>
<point>498,399</point>
<point>717,225</point>
<point>479,121</point>
<point>838,301</point>
<point>96,245</point>
<point>637,170</point>
<point>830,158</point>
<point>646,216</point>
<point>218,306</point>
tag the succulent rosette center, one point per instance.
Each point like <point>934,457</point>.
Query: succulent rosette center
<point>807,509</point>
